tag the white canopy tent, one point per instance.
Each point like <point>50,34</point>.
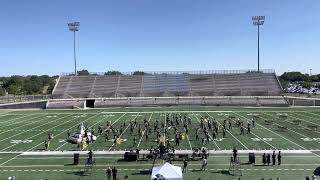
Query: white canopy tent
<point>167,172</point>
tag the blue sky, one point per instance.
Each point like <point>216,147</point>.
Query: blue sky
<point>158,35</point>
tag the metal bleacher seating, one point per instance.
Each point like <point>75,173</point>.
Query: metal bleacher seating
<point>232,88</point>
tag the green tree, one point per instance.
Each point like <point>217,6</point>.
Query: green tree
<point>293,76</point>
<point>2,91</point>
<point>113,73</point>
<point>83,72</point>
<point>138,73</point>
<point>14,89</point>
<point>306,85</point>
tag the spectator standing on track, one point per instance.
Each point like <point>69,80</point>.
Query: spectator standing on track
<point>279,158</point>
<point>90,157</point>
<point>274,158</point>
<point>109,173</point>
<point>264,159</point>
<point>114,173</point>
<point>204,164</point>
<point>185,164</point>
<point>235,153</point>
<point>268,159</point>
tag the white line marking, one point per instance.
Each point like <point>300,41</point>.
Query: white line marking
<point>281,136</point>
<point>42,143</point>
<point>31,129</point>
<point>231,134</point>
<point>134,117</point>
<point>208,133</point>
<point>40,132</point>
<point>144,131</point>
<point>89,127</point>
<point>255,134</point>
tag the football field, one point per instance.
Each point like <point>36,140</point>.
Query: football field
<point>294,131</point>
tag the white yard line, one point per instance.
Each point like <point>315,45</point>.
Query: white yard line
<point>255,134</point>
<point>147,112</point>
<point>231,134</point>
<point>311,113</point>
<point>14,123</point>
<point>70,157</point>
<point>31,128</point>
<point>125,130</point>
<point>91,127</point>
<point>148,164</point>
<point>144,131</point>
<point>20,117</point>
<point>212,152</point>
<point>304,120</point>
<point>279,135</point>
<point>290,128</point>
<point>40,132</point>
<point>42,143</point>
<point>208,133</point>
<point>190,142</point>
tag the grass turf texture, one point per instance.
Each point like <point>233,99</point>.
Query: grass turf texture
<point>22,131</point>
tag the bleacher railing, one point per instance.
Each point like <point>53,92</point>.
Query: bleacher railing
<point>184,72</point>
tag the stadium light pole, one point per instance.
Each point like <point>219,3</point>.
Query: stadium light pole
<point>310,72</point>
<point>258,21</point>
<point>74,26</point>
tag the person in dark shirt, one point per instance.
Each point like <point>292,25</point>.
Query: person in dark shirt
<point>279,158</point>
<point>90,155</point>
<point>264,159</point>
<point>235,151</point>
<point>109,173</point>
<point>268,159</point>
<point>274,158</point>
<point>185,164</point>
<point>114,173</point>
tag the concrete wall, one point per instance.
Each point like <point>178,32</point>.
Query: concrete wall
<point>25,105</point>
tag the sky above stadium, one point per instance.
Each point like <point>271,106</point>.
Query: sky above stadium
<point>158,35</point>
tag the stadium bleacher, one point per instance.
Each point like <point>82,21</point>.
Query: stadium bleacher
<point>168,85</point>
<point>231,88</point>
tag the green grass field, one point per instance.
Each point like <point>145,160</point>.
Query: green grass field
<point>22,136</point>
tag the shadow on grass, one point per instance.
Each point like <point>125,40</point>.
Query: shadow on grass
<point>145,172</point>
<point>262,165</point>
<point>80,173</point>
<point>224,172</point>
<point>71,164</point>
<point>139,160</point>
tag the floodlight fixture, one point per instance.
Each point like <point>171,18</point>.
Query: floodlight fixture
<point>258,21</point>
<point>74,26</point>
